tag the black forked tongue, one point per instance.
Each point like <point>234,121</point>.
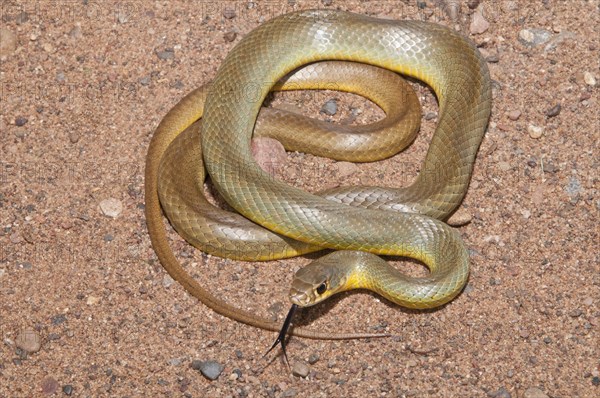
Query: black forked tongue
<point>284,329</point>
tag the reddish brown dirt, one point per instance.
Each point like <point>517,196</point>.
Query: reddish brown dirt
<point>82,91</point>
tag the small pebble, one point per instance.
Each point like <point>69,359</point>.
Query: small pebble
<point>111,207</point>
<point>67,390</point>
<point>589,79</point>
<point>576,313</point>
<point>91,300</point>
<point>230,36</point>
<point>300,369</point>
<point>493,58</point>
<point>534,37</point>
<point>452,9</point>
<point>53,336</point>
<point>169,53</point>
<point>495,281</point>
<point>534,392</point>
<point>330,107</point>
<point>596,381</point>
<point>49,386</point>
<point>573,187</point>
<point>550,167</point>
<point>29,340</point>
<point>313,358</point>
<point>504,166</point>
<point>478,24</point>
<point>167,281</point>
<point>289,393</point>
<point>8,42</point>
<point>209,369</point>
<point>74,136</point>
<point>269,154</point>
<point>229,13</point>
<point>175,361</point>
<point>472,4</point>
<point>430,115</point>
<point>21,121</point>
<point>48,47</point>
<point>123,15</point>
<point>59,319</point>
<point>535,131</point>
<point>585,96</point>
<point>514,115</point>
<point>459,218</point>
<point>75,33</point>
<point>346,169</point>
<point>554,111</point>
<point>22,18</point>
<point>500,393</point>
<point>588,301</point>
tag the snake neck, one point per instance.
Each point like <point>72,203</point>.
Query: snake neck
<point>368,271</point>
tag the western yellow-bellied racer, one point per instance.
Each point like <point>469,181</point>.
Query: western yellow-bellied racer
<point>442,58</point>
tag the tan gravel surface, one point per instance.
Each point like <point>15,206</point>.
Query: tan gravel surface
<point>87,311</point>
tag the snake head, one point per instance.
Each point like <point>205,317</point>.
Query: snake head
<point>316,282</point>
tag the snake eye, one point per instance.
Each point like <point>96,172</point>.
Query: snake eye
<point>321,288</point>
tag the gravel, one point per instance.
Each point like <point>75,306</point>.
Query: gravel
<point>534,37</point>
<point>29,341</point>
<point>21,121</point>
<point>49,386</point>
<point>209,369</point>
<point>330,107</point>
<point>168,53</point>
<point>534,131</point>
<point>300,369</point>
<point>479,24</point>
<point>554,111</point>
<point>111,207</point>
<point>540,247</point>
<point>313,358</point>
<point>534,392</point>
<point>500,393</point>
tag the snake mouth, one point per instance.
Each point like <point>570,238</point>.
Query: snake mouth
<point>301,299</point>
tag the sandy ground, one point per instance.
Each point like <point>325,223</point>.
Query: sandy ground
<point>84,84</point>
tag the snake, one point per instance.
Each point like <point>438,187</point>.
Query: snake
<point>359,223</point>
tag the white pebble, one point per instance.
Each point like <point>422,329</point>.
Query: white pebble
<point>589,79</point>
<point>111,207</point>
<point>535,131</point>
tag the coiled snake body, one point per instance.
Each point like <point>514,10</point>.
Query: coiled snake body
<point>442,58</point>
